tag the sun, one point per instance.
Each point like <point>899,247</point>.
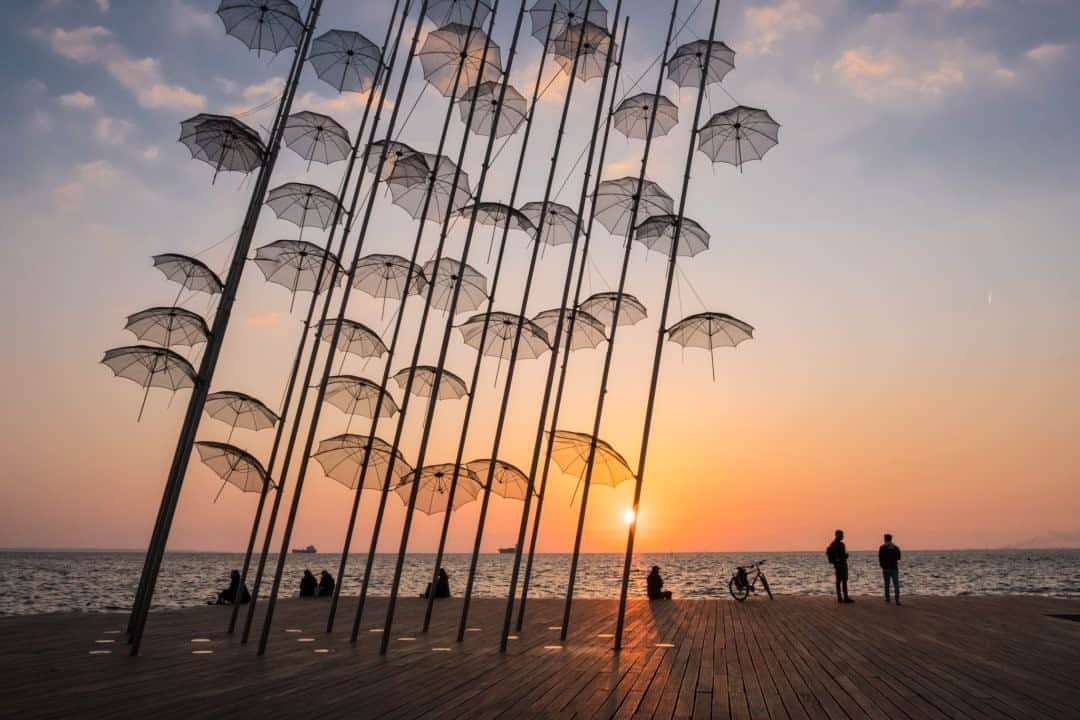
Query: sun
<point>628,516</point>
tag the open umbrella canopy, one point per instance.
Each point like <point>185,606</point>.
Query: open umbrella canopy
<point>443,12</point>
<point>168,326</point>
<point>451,387</point>
<point>514,109</point>
<point>355,338</point>
<point>395,152</point>
<point>633,115</point>
<point>233,465</point>
<point>738,135</point>
<point>588,331</point>
<point>658,233</point>
<point>190,273</point>
<point>444,275</point>
<point>565,13</point>
<point>557,225</point>
<point>434,481</point>
<point>456,46</point>
<point>345,60</point>
<point>358,396</point>
<point>590,41</point>
<point>303,204</point>
<point>223,142</point>
<point>613,203</point>
<point>239,410</point>
<point>316,137</point>
<point>688,60</point>
<point>601,306</point>
<point>570,451</point>
<point>388,276</point>
<point>499,338</point>
<point>497,214</point>
<point>416,175</point>
<point>297,265</point>
<point>149,366</point>
<point>710,330</point>
<point>272,25</point>
<point>507,480</point>
<point>342,458</point>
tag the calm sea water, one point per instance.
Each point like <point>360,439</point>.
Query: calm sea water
<point>41,582</point>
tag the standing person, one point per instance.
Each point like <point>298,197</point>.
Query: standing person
<point>326,584</point>
<point>889,558</point>
<point>308,583</point>
<point>838,556</point>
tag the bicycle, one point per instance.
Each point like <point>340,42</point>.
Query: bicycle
<point>742,583</point>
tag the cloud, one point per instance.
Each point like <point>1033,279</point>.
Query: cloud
<point>151,152</point>
<point>77,100</point>
<point>83,45</point>
<point>96,175</point>
<point>41,121</point>
<point>1047,53</point>
<point>103,5</point>
<point>186,18</point>
<point>265,318</point>
<point>769,24</point>
<point>112,131</point>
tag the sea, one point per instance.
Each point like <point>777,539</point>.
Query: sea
<point>33,582</point>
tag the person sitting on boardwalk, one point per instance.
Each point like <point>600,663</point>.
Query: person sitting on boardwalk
<point>838,556</point>
<point>442,586</point>
<point>889,558</point>
<point>235,593</point>
<point>654,585</point>
<point>308,584</point>
<point>326,584</point>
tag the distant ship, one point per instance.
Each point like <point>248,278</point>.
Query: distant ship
<point>309,550</point>
<point>508,550</point>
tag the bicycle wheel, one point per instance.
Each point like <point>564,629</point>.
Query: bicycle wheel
<point>737,592</point>
<point>765,584</point>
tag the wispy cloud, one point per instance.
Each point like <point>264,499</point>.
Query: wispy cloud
<point>77,100</point>
<point>1048,53</point>
<point>767,25</point>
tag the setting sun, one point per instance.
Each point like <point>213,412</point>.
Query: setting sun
<point>628,515</point>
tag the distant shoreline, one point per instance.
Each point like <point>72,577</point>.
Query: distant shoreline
<point>182,551</point>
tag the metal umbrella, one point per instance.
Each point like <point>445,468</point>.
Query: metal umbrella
<point>237,409</point>
<point>149,366</point>
<point>498,215</point>
<point>296,265</point>
<point>189,273</point>
<point>388,277</point>
<point>710,330</point>
<point>632,117</point>
<point>487,93</point>
<point>451,387</point>
<point>601,306</point>
<point>342,456</point>
<point>587,332</point>
<point>738,135</point>
<point>498,339</point>
<point>272,25</point>
<point>168,326</point>
<point>507,481</point>
<point>354,338</point>
<point>410,180</point>
<point>560,222</point>
<point>434,483</point>
<point>558,14</point>
<point>358,396</point>
<point>233,465</point>
<point>444,275</point>
<point>686,63</point>
<point>346,60</point>
<point>304,205</point>
<point>595,44</point>
<point>570,451</point>
<point>442,12</point>
<point>457,45</point>
<point>316,137</point>
<point>614,200</point>
<point>659,231</point>
<point>395,151</point>
<point>223,142</point>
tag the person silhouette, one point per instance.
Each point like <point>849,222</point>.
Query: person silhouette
<point>442,586</point>
<point>235,593</point>
<point>326,584</point>
<point>889,559</point>
<point>838,557</point>
<point>654,585</point>
<point>308,583</point>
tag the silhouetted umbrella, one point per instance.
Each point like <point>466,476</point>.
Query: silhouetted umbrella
<point>451,387</point>
<point>558,225</point>
<point>588,331</point>
<point>395,152</point>
<point>237,409</point>
<point>497,215</point>
<point>507,481</point>
<point>499,338</point>
<point>443,12</point>
<point>684,67</point>
<point>570,451</point>
<point>453,46</point>
<point>191,274</point>
<point>594,48</point>
<point>613,204</point>
<point>388,277</point>
<point>514,109</point>
<point>566,12</point>
<point>296,265</point>
<point>345,60</point>
<point>358,396</point>
<point>233,465</point>
<point>168,326</point>
<point>601,306</point>
<point>272,25</point>
<point>149,366</point>
<point>342,457</point>
<point>316,137</point>
<point>443,277</point>
<point>738,135</point>
<point>658,232</point>
<point>632,116</point>
<point>303,204</point>
<point>223,142</point>
<point>434,483</point>
<point>411,180</point>
<point>355,338</point>
<point>710,330</point>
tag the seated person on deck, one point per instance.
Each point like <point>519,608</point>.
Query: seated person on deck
<point>655,585</point>
<point>308,584</point>
<point>442,586</point>
<point>326,584</point>
<point>235,593</point>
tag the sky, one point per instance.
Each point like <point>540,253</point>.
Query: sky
<point>907,255</point>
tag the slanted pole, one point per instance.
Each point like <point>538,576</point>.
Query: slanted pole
<point>610,351</point>
<point>429,419</point>
<point>673,254</point>
<point>186,440</point>
<point>582,268</point>
<point>290,521</point>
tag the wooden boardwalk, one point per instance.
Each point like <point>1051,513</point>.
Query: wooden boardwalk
<point>964,657</point>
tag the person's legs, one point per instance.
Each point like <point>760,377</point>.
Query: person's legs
<point>887,576</point>
<point>842,577</point>
<point>839,596</point>
<point>894,575</point>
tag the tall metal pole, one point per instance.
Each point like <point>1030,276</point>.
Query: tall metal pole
<point>335,337</point>
<point>217,336</point>
<point>429,419</point>
<point>526,292</point>
<point>610,351</point>
<point>582,267</point>
<point>673,254</point>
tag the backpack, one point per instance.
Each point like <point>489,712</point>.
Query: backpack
<point>830,553</point>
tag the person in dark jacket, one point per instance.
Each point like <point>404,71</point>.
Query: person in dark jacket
<point>888,556</point>
<point>838,557</point>
<point>326,584</point>
<point>308,583</point>
<point>235,593</point>
<point>654,585</point>
<point>442,586</point>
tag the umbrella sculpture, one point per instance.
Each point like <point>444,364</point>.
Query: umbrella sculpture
<point>659,231</point>
<point>570,451</point>
<point>601,306</point>
<point>457,45</point>
<point>687,62</point>
<point>237,409</point>
<point>358,396</point>
<point>410,180</point>
<point>594,48</point>
<point>168,326</point>
<point>710,330</point>
<point>354,338</point>
<point>395,152</point>
<point>272,25</point>
<point>738,135</point>
<point>507,480</point>
<point>149,366</point>
<point>443,12</point>
<point>296,265</point>
<point>233,465</point>
<point>614,201</point>
<point>451,387</point>
<point>191,274</point>
<point>346,60</point>
<point>559,225</point>
<point>222,142</point>
<point>388,277</point>
<point>498,215</point>
<point>558,14</point>
<point>587,331</point>
<point>444,275</point>
<point>510,118</point>
<point>303,205</point>
<point>499,338</point>
<point>435,486</point>
<point>316,137</point>
<point>633,115</point>
<point>342,456</point>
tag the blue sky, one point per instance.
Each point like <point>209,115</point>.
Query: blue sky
<point>908,254</point>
